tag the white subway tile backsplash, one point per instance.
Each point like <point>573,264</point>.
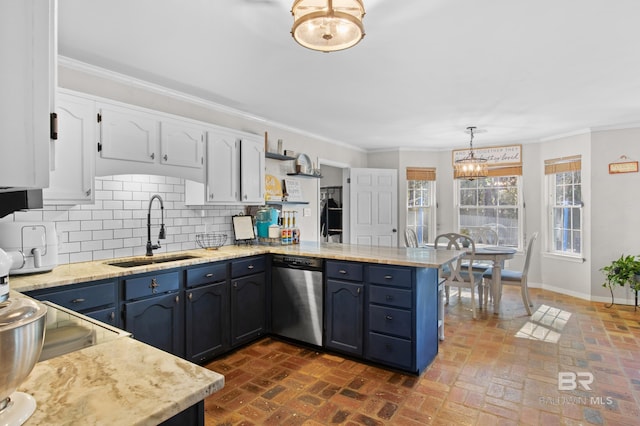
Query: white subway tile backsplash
<point>115,224</point>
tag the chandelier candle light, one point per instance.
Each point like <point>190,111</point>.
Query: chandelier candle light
<point>327,25</point>
<point>471,167</point>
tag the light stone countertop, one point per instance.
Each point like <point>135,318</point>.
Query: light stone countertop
<point>97,270</point>
<point>122,382</point>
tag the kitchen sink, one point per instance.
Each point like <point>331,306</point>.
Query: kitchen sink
<point>141,261</point>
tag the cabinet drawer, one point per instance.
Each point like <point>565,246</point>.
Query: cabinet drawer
<point>107,316</point>
<point>390,350</point>
<point>398,277</point>
<point>240,268</point>
<point>135,288</point>
<point>390,321</point>
<point>390,296</point>
<point>344,270</point>
<point>206,274</point>
<point>84,298</point>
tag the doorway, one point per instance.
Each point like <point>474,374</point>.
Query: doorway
<point>331,203</point>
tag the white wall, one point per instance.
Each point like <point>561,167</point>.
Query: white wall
<point>615,208</point>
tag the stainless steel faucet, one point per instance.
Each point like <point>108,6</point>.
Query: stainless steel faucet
<point>162,234</point>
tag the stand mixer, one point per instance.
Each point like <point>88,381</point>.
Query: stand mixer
<point>22,327</point>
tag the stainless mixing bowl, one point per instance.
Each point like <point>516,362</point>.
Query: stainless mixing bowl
<point>22,326</point>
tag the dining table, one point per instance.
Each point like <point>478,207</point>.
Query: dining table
<point>497,255</point>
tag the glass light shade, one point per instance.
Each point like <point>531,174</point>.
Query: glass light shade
<point>327,25</point>
<point>471,168</point>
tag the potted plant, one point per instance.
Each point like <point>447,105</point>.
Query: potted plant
<point>623,271</point>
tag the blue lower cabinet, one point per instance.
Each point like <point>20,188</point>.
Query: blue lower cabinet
<point>248,308</point>
<point>344,316</point>
<point>157,321</point>
<point>207,321</point>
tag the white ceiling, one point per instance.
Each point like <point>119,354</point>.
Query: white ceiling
<point>520,69</point>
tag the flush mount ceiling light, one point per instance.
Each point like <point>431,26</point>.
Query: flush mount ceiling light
<point>471,167</point>
<point>327,25</point>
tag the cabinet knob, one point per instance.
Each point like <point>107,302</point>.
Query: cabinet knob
<point>245,196</point>
<point>190,296</point>
<point>358,290</point>
<point>388,317</point>
<point>177,299</point>
<point>88,192</point>
<point>153,156</point>
<point>235,285</point>
<point>154,285</point>
<point>389,297</point>
<point>211,196</point>
<point>112,316</point>
<point>165,157</point>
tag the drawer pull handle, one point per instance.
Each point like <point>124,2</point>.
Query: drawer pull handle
<point>80,300</point>
<point>190,296</point>
<point>250,267</point>
<point>177,299</point>
<point>389,297</point>
<point>154,284</point>
<point>388,317</point>
<point>342,271</point>
<point>388,277</point>
<point>208,275</point>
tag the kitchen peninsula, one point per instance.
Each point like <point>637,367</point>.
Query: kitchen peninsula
<point>86,379</point>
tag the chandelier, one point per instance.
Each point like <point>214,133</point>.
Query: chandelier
<point>327,25</point>
<point>471,167</point>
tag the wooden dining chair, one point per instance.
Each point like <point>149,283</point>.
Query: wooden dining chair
<point>516,278</point>
<point>458,274</point>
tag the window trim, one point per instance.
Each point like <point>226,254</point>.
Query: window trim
<point>520,207</point>
<point>563,165</point>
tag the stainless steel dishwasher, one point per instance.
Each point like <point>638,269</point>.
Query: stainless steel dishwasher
<point>296,298</point>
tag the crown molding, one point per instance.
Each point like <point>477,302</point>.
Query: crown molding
<point>124,79</point>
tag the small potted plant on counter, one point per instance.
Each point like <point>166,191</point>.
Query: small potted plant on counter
<point>623,271</point>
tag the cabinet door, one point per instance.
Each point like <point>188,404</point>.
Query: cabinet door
<point>252,169</point>
<point>71,180</point>
<point>181,144</point>
<point>247,308</point>
<point>127,134</point>
<point>222,166</point>
<point>27,86</point>
<point>344,314</point>
<point>157,321</point>
<point>207,321</point>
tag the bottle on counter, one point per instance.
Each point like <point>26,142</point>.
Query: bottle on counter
<point>283,229</point>
<point>295,231</point>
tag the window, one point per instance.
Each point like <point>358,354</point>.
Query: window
<point>565,205</point>
<point>492,202</point>
<point>421,210</point>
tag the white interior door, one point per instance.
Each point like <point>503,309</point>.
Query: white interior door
<point>373,219</point>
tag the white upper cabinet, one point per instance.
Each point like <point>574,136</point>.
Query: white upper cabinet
<point>222,166</point>
<point>181,144</point>
<point>127,134</point>
<point>136,140</point>
<point>27,46</point>
<point>252,169</point>
<point>72,179</point>
<point>234,170</point>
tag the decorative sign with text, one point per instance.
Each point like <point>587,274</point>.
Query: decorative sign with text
<point>495,155</point>
<point>623,167</point>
